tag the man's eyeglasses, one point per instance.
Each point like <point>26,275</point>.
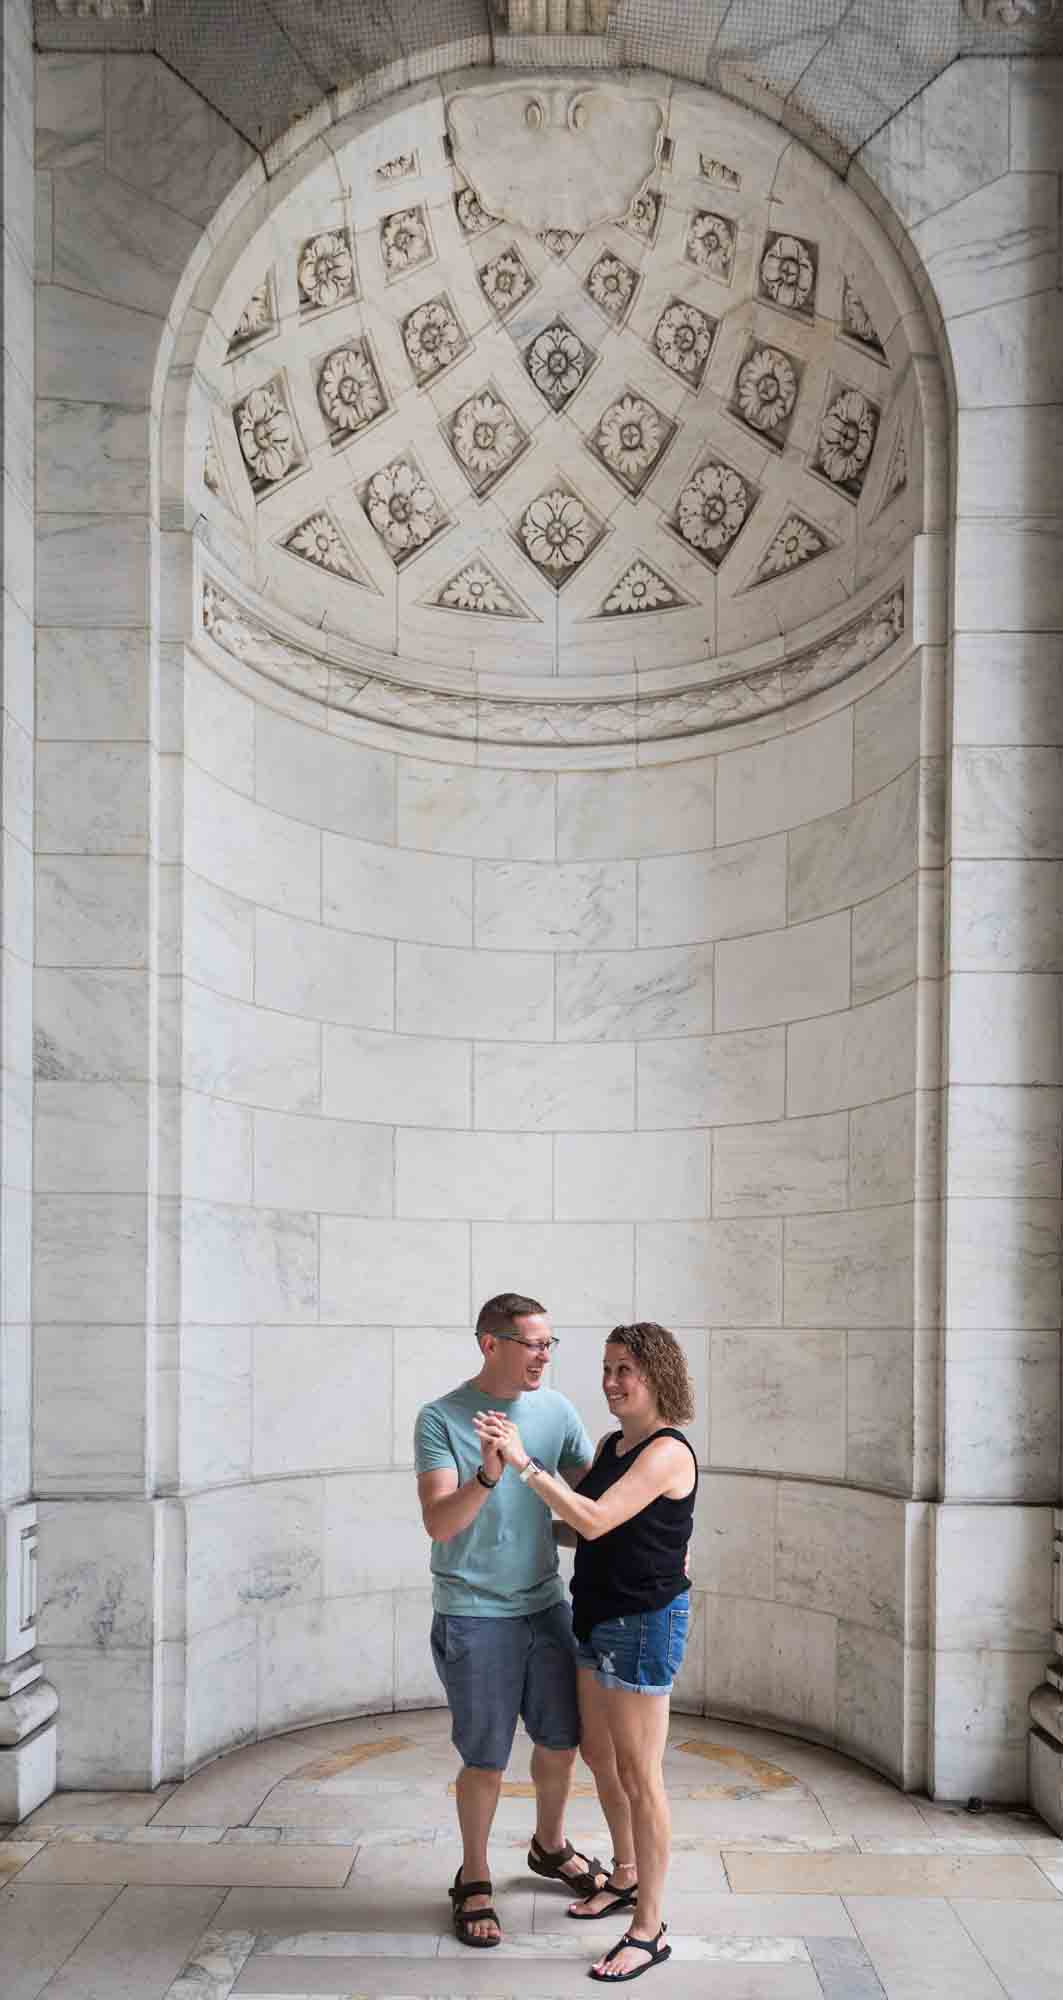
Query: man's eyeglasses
<point>533,1346</point>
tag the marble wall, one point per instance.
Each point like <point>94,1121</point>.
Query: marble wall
<point>333,1039</point>
<point>975,181</point>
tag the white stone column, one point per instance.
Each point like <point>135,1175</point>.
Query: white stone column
<point>972,170</point>
<point>27,1702</point>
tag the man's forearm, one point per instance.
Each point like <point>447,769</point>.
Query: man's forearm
<point>446,1517</point>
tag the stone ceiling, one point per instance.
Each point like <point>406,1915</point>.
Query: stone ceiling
<point>835,70</point>
<point>672,436</point>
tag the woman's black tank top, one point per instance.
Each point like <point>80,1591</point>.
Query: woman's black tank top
<point>640,1566</point>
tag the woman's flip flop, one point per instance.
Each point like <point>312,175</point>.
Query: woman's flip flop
<point>657,1951</point>
<point>622,1900</point>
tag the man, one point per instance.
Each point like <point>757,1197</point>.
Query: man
<point>502,1631</point>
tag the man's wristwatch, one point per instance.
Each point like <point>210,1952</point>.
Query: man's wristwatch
<point>533,1465</point>
<point>484,1481</point>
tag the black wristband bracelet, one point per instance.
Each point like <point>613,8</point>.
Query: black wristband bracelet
<point>484,1481</point>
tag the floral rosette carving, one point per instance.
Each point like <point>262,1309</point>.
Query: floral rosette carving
<point>846,440</point>
<point>349,389</point>
<point>683,338</point>
<point>713,508</point>
<point>326,271</point>
<point>505,280</point>
<point>473,217</point>
<point>432,338</point>
<point>477,588</point>
<point>630,439</point>
<point>794,543</point>
<point>710,244</point>
<point>639,589</point>
<point>257,319</point>
<point>559,242</point>
<point>399,169</point>
<point>402,508</point>
<point>318,540</point>
<point>267,436</point>
<point>611,284</point>
<point>788,273</point>
<point>485,437</point>
<point>856,320</point>
<point>556,532</point>
<point>766,390</point>
<point>643,215</point>
<point>557,363</point>
<point>404,241</point>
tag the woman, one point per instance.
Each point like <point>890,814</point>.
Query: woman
<point>632,1514</point>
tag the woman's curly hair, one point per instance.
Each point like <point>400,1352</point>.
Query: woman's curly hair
<point>663,1363</point>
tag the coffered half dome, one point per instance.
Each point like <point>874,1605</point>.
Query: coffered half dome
<point>684,439</point>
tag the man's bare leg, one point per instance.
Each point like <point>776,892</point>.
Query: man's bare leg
<point>551,1772</point>
<point>477,1791</point>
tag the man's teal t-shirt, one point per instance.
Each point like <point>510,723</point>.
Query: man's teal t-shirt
<point>505,1564</point>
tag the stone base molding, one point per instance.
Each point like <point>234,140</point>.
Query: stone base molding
<point>1046,1710</point>
<point>28,1703</point>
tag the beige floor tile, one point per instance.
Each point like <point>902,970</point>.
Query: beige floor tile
<point>484,1973</point>
<point>110,1808</point>
<point>231,1789</point>
<point>138,1947</point>
<point>39,1928</point>
<point>921,1951</point>
<point>191,1864</point>
<point>998,1876</point>
<point>292,1909</point>
<point>724,1915</point>
<point>14,1855</point>
<point>1024,1945</point>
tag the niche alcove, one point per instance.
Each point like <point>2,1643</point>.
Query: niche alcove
<point>551,762</point>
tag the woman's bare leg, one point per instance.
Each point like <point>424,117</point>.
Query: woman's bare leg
<point>638,1725</point>
<point>597,1752</point>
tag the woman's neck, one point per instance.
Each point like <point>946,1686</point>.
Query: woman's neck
<point>635,1430</point>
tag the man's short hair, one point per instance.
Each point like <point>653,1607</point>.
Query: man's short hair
<point>497,1315</point>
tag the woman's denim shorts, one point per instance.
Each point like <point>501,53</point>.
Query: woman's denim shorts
<point>641,1653</point>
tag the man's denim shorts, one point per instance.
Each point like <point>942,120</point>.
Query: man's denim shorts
<point>641,1653</point>
<point>496,1669</point>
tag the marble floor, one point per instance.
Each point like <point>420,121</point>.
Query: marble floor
<point>316,1864</point>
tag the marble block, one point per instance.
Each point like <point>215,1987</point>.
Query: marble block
<point>777,1401</point>
<point>785,975</point>
<point>605,815</point>
<point>323,974</point>
<point>397,1079</point>
<point>634,995</point>
<point>577,1088</point>
<point>848,856</point>
<point>791,1166</point>
<point>993,1578</point>
<point>843,1551</point>
<point>850,1269</point>
<point>582,1271</point>
<point>401,1273</point>
<point>1002,1415</point>
<point>795,777</point>
<point>309,775</point>
<point>719,1273</point>
<point>389,892</point>
<point>491,995</point>
<point>771,1663</point>
<point>561,907</point>
<point>844,1060</point>
<point>250,850</point>
<point>693,898</point>
<point>712,1080</point>
<point>461,809</point>
<point>482,1174</point>
<point>27,1774</point>
<point>1002,1263</point>
<point>628,1176</point>
<point>320,1401</point>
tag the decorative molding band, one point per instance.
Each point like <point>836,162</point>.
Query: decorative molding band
<point>578,721</point>
<point>103,10</point>
<point>1012,13</point>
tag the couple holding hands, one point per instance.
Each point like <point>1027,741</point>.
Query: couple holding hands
<point>506,1472</point>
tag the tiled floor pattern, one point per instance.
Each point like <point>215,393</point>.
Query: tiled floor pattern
<point>314,1867</point>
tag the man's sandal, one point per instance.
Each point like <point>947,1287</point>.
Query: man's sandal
<point>542,1862</point>
<point>464,1918</point>
<point>622,1900</point>
<point>657,1951</point>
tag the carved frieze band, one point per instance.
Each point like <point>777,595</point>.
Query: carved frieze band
<point>737,696</point>
<point>103,10</point>
<point>1012,13</point>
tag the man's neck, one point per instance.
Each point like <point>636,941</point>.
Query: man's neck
<point>489,1385</point>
